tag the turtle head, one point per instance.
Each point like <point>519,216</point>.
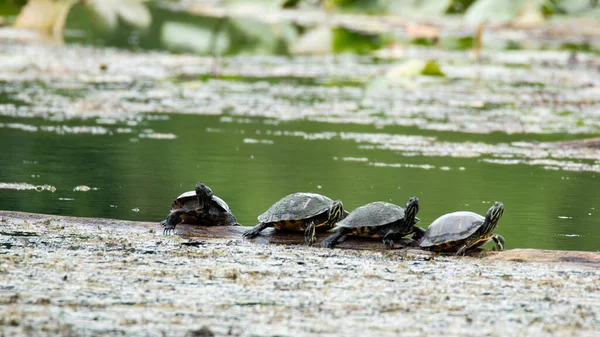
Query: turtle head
<point>493,215</point>
<point>203,191</point>
<point>412,208</point>
<point>204,194</point>
<point>336,212</point>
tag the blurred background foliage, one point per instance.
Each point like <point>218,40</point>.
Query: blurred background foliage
<point>283,26</point>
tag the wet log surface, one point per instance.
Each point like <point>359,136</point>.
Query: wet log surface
<point>271,236</point>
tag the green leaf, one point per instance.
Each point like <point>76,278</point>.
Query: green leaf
<point>575,6</point>
<point>108,12</point>
<point>408,68</point>
<point>317,41</point>
<point>494,11</point>
<point>199,39</point>
<point>345,40</point>
<point>415,67</point>
<point>432,68</point>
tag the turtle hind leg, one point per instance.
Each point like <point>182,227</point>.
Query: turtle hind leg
<point>333,239</point>
<point>461,251</point>
<point>309,233</point>
<point>227,219</point>
<point>256,230</point>
<point>388,239</point>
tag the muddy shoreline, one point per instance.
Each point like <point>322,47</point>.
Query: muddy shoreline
<point>100,277</point>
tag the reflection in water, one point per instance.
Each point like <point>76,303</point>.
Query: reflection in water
<point>254,164</point>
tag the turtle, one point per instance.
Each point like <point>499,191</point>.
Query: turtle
<point>200,207</point>
<point>301,211</point>
<point>381,220</point>
<point>461,231</point>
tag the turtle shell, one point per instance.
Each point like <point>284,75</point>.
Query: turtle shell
<point>451,227</point>
<point>190,200</point>
<point>296,206</point>
<point>374,214</point>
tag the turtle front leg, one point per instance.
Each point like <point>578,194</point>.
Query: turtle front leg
<point>310,233</point>
<point>334,238</point>
<point>171,221</point>
<point>499,240</point>
<point>256,230</point>
<point>418,233</point>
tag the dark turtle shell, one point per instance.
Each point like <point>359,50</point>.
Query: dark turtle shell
<point>296,206</point>
<point>451,227</point>
<point>188,211</point>
<point>374,214</point>
<point>189,200</point>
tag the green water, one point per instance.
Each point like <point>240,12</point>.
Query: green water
<point>253,164</point>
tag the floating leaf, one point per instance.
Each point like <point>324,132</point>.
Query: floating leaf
<point>423,32</point>
<point>530,16</point>
<point>415,67</point>
<point>134,13</point>
<point>188,37</point>
<point>406,69</point>
<point>108,12</point>
<point>432,68</point>
<point>254,37</point>
<point>574,6</point>
<point>494,11</point>
<point>318,41</point>
<point>345,40</point>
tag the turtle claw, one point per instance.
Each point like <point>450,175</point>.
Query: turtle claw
<point>249,234</point>
<point>334,238</point>
<point>327,244</point>
<point>310,240</point>
<point>255,231</point>
<point>388,240</point>
<point>168,229</point>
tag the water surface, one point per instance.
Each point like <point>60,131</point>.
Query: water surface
<point>135,173</point>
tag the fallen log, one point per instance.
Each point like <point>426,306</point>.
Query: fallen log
<point>271,236</point>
